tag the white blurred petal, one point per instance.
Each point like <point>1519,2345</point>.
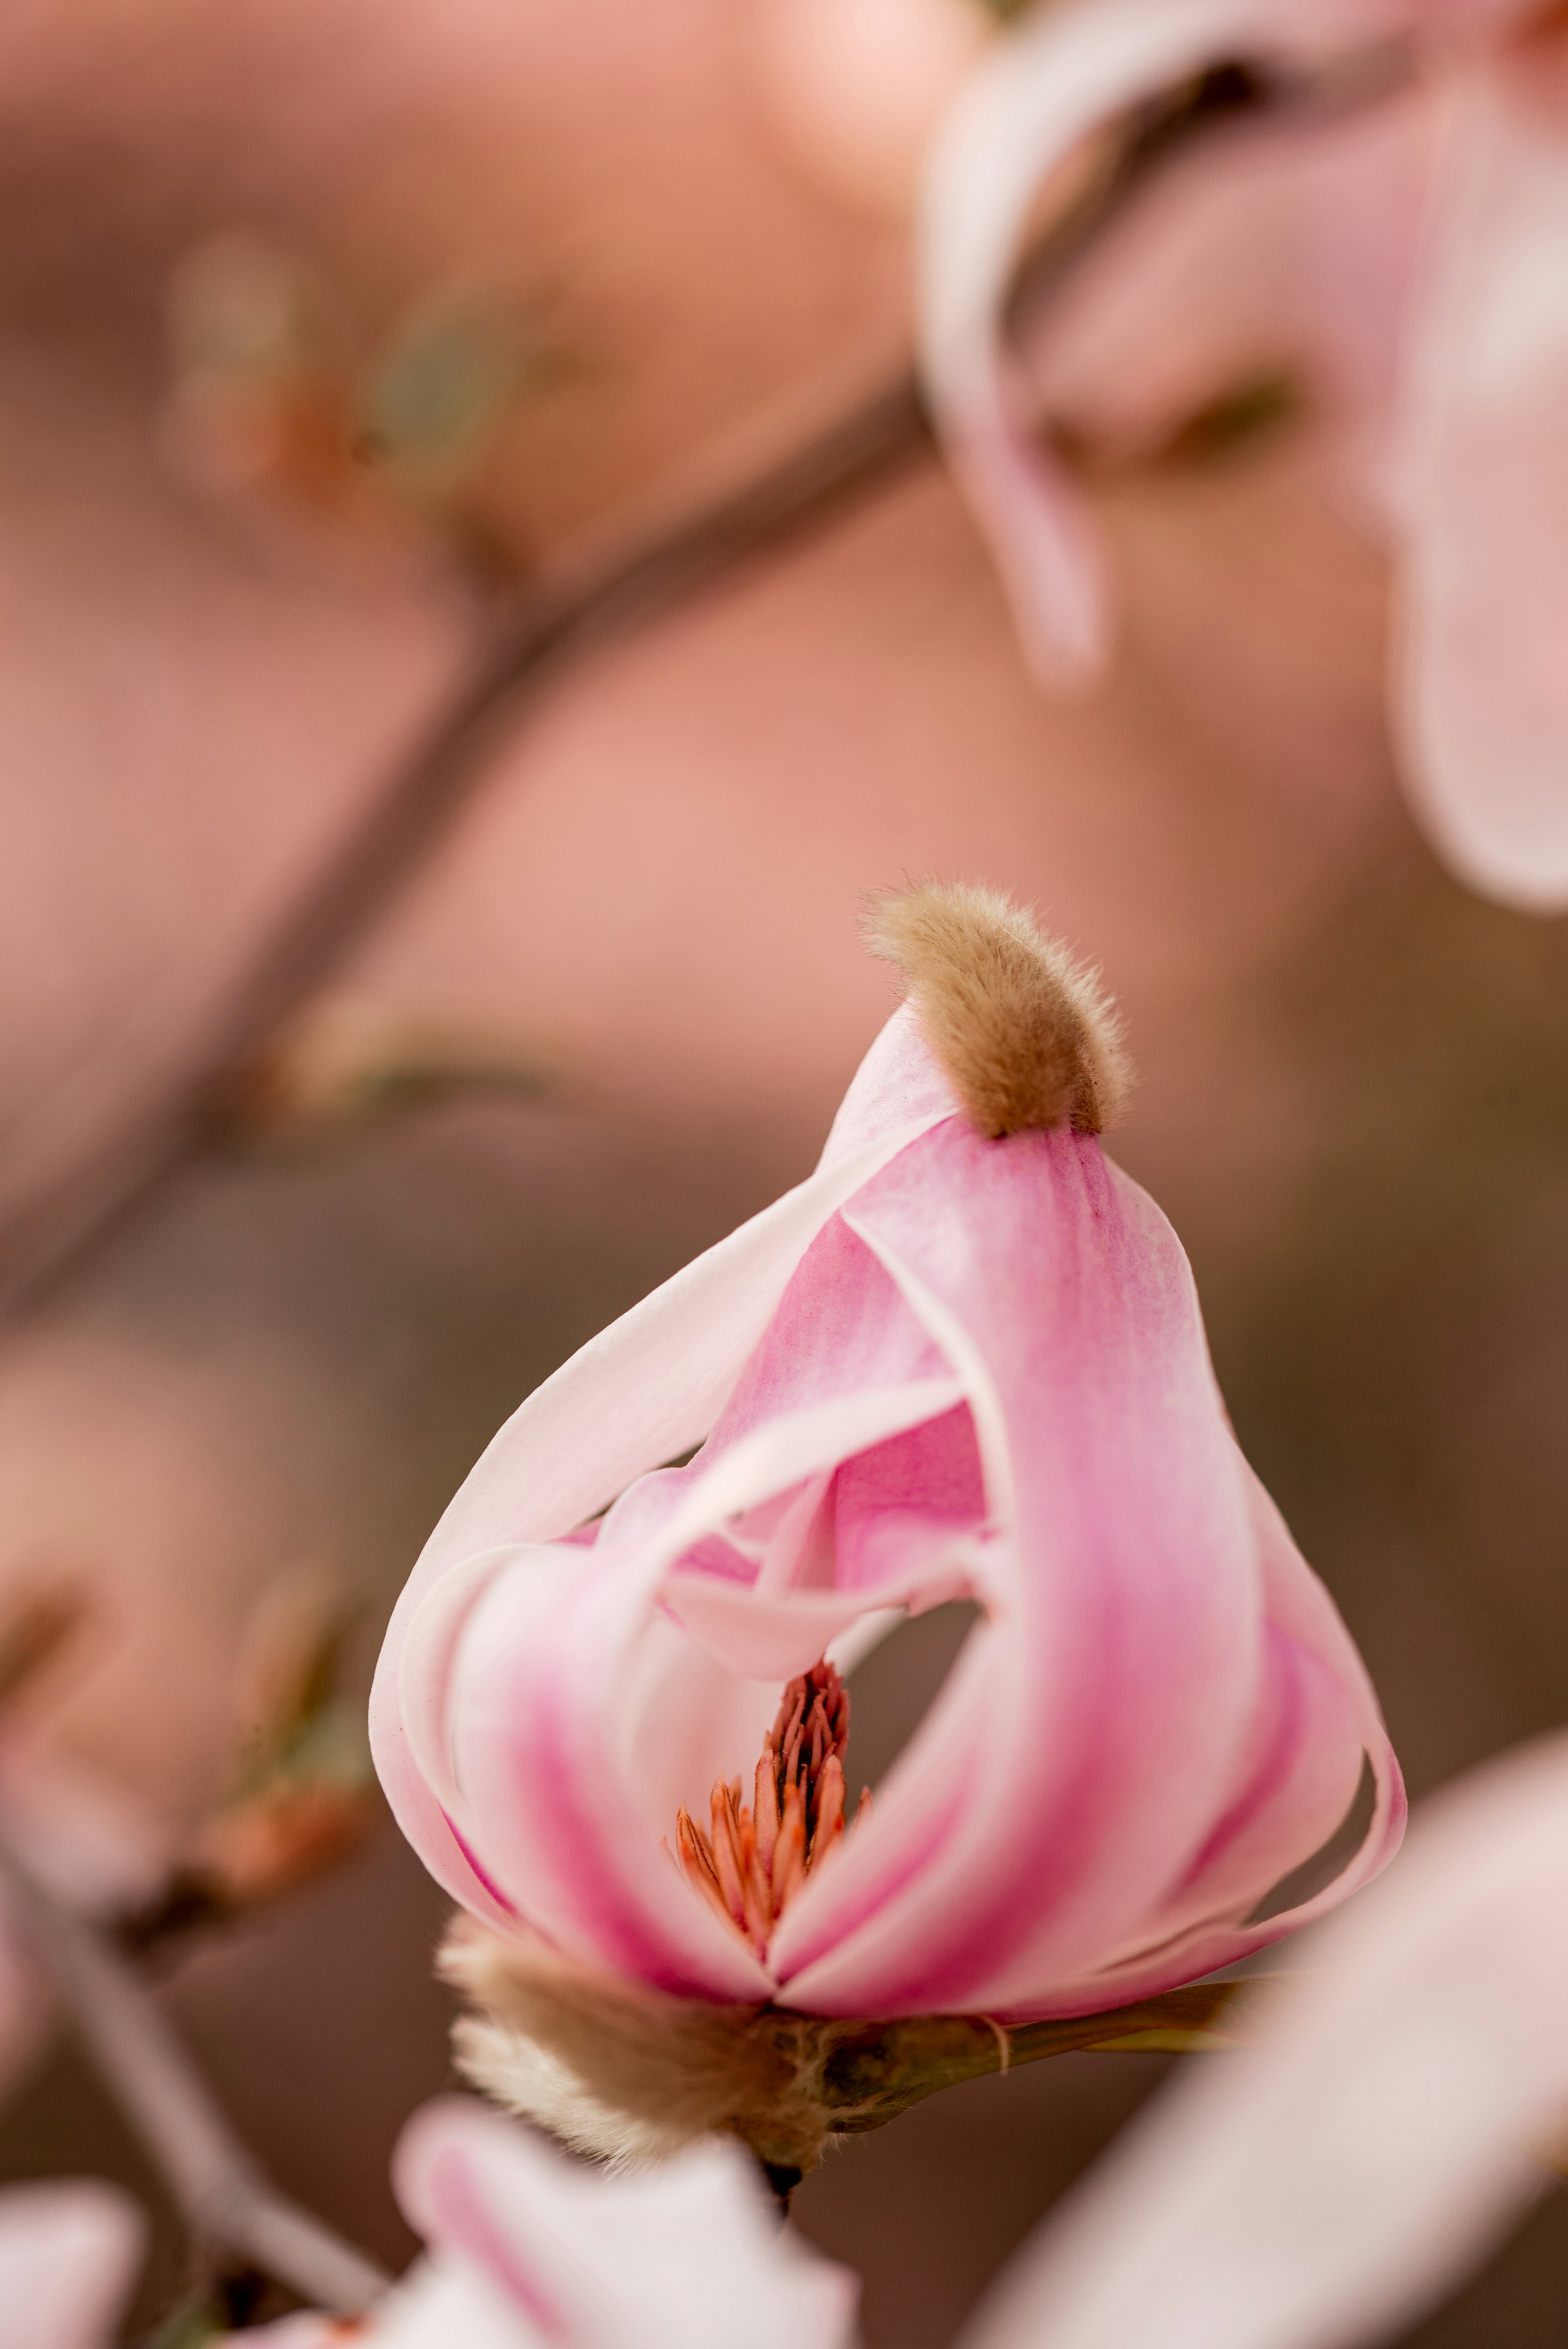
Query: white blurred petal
<point>1023,115</point>
<point>1481,688</point>
<point>68,2254</point>
<point>1326,2188</point>
<point>688,2255</point>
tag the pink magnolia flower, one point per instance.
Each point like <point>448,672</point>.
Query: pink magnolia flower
<point>1479,455</point>
<point>1374,2142</point>
<point>945,1366</point>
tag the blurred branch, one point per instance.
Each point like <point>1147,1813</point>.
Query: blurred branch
<point>302,1797</point>
<point>225,2198</point>
<point>33,1631</point>
<point>533,644</point>
<point>527,650</point>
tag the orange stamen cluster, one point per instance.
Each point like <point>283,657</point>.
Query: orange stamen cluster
<point>755,1855</point>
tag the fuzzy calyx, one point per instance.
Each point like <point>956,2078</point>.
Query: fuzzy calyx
<point>629,2074</point>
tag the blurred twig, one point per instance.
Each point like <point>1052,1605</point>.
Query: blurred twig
<point>302,1797</point>
<point>226,2200</point>
<point>533,644</point>
<point>33,1631</point>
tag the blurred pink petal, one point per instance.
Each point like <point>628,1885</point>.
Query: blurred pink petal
<point>68,2256</point>
<point>1482,682</point>
<point>528,2245</point>
<point>1254,263</point>
<point>1482,470</point>
<point>1332,2183</point>
<point>1482,19</point>
<point>647,1388</point>
<point>857,85</point>
<point>93,1844</point>
<point>942,1367</point>
<point>1019,121</point>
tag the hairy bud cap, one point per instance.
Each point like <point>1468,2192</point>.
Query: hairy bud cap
<point>1024,1032</point>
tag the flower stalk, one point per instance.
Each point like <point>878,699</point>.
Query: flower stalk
<point>227,2202</point>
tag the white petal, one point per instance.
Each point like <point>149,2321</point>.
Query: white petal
<point>1023,115</point>
<point>688,2255</point>
<point>1331,2184</point>
<point>68,2254</point>
<point>1482,685</point>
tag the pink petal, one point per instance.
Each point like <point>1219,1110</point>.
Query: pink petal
<point>904,1499</point>
<point>580,1723</point>
<point>68,2257</point>
<point>1109,1716</point>
<point>768,1640</point>
<point>1331,2185</point>
<point>1300,1779</point>
<point>1300,1608</point>
<point>1481,688</point>
<point>428,1661</point>
<point>841,1325</point>
<point>688,2255</point>
<point>836,1291</point>
<point>1262,254</point>
<point>1127,1596</point>
<point>576,1741</point>
<point>646,1389</point>
<point>898,1085</point>
<point>1032,102</point>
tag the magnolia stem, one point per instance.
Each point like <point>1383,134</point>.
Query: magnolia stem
<point>866,2073</point>
<point>225,2198</point>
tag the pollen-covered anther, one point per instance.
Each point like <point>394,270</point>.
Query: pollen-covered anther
<point>753,1856</point>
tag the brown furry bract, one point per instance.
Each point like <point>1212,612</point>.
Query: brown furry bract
<point>629,2074</point>
<point>615,2070</point>
<point>1025,1031</point>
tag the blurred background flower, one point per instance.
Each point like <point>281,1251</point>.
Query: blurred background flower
<point>1440,332</point>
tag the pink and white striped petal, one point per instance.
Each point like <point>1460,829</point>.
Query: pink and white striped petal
<point>687,2256</point>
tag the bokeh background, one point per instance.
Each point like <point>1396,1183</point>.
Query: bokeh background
<point>327,330</point>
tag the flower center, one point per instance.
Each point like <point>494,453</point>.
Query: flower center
<point>753,1856</point>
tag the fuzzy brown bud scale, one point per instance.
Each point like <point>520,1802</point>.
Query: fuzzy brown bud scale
<point>1024,1033</point>
<point>628,2074</point>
